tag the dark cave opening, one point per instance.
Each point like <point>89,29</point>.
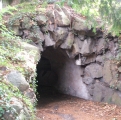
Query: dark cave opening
<point>57,74</point>
<point>48,71</point>
<point>46,77</point>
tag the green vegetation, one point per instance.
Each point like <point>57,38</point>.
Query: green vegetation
<point>7,91</point>
<point>9,48</point>
<point>97,12</point>
<point>3,30</point>
<point>104,12</point>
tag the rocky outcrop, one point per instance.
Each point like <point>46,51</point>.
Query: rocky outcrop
<point>17,96</point>
<point>94,52</point>
<point>102,93</point>
<point>18,80</point>
<point>94,70</point>
<point>19,108</point>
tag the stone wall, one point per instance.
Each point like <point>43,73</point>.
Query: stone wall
<point>92,57</point>
<point>17,95</point>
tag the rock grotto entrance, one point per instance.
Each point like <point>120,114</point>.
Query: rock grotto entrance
<point>58,72</point>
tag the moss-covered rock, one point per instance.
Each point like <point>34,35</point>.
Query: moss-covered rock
<point>17,72</point>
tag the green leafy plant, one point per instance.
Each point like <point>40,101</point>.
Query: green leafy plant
<point>104,12</point>
<point>9,48</point>
<point>3,29</point>
<point>7,91</point>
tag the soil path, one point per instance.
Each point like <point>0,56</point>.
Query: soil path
<point>55,106</point>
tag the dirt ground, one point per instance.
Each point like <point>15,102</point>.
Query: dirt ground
<point>55,106</point>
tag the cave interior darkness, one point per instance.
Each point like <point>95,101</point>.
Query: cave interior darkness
<point>48,71</point>
<point>57,73</point>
